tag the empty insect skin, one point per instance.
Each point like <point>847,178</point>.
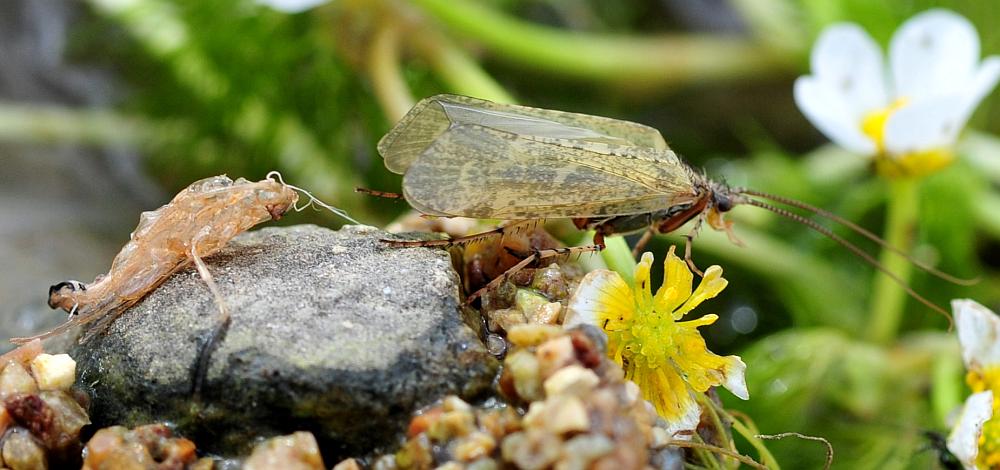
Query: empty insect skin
<point>199,221</point>
<point>467,157</point>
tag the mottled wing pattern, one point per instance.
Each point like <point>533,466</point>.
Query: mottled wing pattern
<point>476,171</point>
<point>433,116</point>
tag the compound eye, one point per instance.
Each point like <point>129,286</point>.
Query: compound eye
<point>71,285</point>
<point>723,204</point>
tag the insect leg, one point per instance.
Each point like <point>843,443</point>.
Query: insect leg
<point>639,245</point>
<point>218,333</point>
<point>377,193</point>
<point>535,256</point>
<point>688,240</point>
<point>72,311</point>
<point>476,237</point>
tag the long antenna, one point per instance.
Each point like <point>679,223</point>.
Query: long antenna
<point>853,249</point>
<point>863,232</point>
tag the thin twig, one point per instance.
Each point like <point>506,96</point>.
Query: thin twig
<point>829,447</point>
<point>718,450</point>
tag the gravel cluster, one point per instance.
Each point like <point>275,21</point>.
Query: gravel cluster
<point>565,407</point>
<point>41,416</point>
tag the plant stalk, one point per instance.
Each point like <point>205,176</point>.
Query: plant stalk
<point>888,296</point>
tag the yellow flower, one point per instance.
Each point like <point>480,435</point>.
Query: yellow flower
<point>975,440</point>
<point>667,358</point>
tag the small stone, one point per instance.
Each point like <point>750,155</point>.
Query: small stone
<point>558,415</point>
<point>581,450</point>
<point>555,354</point>
<point>385,462</point>
<point>505,318</point>
<point>453,424</point>
<point>454,403</point>
<point>484,463</point>
<point>572,379</point>
<point>659,438</point>
<point>632,392</point>
<point>69,418</point>
<point>22,452</point>
<point>531,450</point>
<point>532,335</point>
<point>547,314</point>
<point>15,379</point>
<point>415,454</point>
<point>529,302</point>
<point>347,464</point>
<point>551,282</point>
<point>149,446</point>
<point>54,372</point>
<point>475,445</point>
<point>523,367</point>
<point>297,451</point>
<point>450,466</point>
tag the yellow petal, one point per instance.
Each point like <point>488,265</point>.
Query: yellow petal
<point>710,286</point>
<point>643,291</point>
<point>670,395</point>
<point>676,288</point>
<point>602,299</point>
<point>703,368</point>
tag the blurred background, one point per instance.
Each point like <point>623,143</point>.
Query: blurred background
<point>108,107</point>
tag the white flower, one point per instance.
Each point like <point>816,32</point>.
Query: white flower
<point>910,113</point>
<point>963,441</point>
<point>979,335</point>
<point>292,6</point>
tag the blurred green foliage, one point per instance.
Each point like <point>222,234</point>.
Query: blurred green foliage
<point>232,86</point>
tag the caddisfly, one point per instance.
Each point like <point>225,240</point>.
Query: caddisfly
<point>196,223</point>
<point>467,157</point>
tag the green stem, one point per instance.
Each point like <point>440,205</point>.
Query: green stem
<point>946,389</point>
<point>618,257</point>
<point>157,25</point>
<point>387,77</point>
<point>986,209</point>
<point>53,124</point>
<point>462,74</point>
<point>637,61</point>
<point>751,436</point>
<point>888,296</point>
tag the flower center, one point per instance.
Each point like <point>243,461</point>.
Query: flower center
<point>873,124</point>
<point>986,379</point>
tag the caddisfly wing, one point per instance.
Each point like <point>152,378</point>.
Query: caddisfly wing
<point>433,116</point>
<point>482,172</point>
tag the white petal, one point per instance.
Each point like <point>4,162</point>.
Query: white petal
<point>933,53</point>
<point>292,6</point>
<point>925,125</point>
<point>736,381</point>
<point>829,113</point>
<point>683,428</point>
<point>980,86</point>
<point>964,438</point>
<point>848,62</point>
<point>978,333</point>
<point>599,292</point>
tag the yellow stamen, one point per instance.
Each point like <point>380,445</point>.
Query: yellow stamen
<point>914,164</point>
<point>873,124</point>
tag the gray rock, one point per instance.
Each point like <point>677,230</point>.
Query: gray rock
<point>332,332</point>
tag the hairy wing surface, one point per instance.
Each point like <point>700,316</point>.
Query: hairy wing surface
<point>432,117</point>
<point>521,177</point>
